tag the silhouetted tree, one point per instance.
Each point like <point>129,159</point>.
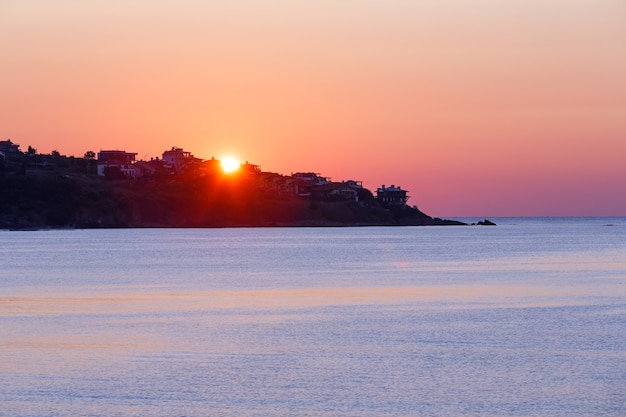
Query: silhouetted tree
<point>113,173</point>
<point>55,154</point>
<point>365,196</point>
<point>31,150</point>
<point>90,158</point>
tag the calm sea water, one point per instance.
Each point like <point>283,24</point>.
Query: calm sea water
<point>524,319</point>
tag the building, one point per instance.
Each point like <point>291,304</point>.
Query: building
<point>250,168</point>
<point>392,196</point>
<point>354,184</point>
<point>148,169</point>
<point>335,191</point>
<point>277,185</point>
<point>178,159</point>
<point>306,181</point>
<point>211,167</point>
<point>117,159</point>
<point>6,146</point>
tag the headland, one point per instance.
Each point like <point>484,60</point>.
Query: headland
<point>55,191</point>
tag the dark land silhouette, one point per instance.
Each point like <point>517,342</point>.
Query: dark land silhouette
<point>55,191</point>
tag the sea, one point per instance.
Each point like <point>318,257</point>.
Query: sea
<point>526,318</point>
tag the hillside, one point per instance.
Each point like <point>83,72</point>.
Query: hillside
<point>69,196</point>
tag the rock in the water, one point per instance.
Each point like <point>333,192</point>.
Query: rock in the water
<point>484,223</point>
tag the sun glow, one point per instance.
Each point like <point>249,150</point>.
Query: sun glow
<point>230,164</point>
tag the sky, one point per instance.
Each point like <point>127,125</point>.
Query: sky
<point>481,108</point>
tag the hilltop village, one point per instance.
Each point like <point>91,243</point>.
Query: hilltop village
<point>113,189</point>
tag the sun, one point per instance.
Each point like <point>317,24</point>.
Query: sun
<point>230,164</point>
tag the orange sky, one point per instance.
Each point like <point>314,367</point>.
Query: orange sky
<point>478,108</point>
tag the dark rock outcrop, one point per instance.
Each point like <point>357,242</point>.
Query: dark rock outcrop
<point>484,223</point>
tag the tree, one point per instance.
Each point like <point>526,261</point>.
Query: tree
<point>90,155</point>
<point>55,154</point>
<point>113,173</point>
<point>365,196</point>
<point>31,150</point>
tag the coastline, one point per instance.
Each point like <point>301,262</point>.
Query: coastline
<point>43,201</point>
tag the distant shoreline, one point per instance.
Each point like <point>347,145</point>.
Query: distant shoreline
<point>44,200</point>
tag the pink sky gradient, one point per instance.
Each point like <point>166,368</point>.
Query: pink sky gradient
<point>481,108</point>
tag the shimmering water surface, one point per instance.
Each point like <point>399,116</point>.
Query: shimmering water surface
<point>527,318</point>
